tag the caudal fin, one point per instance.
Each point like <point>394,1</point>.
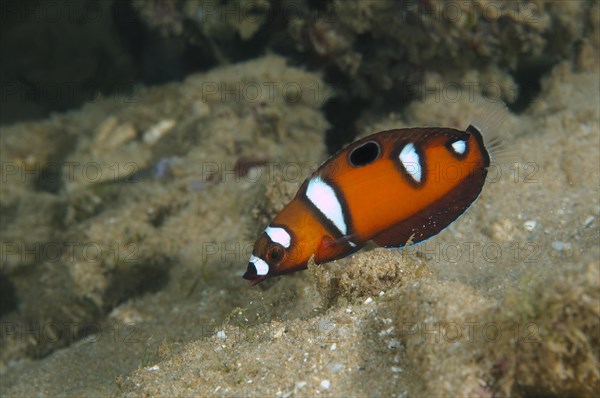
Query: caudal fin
<point>491,119</point>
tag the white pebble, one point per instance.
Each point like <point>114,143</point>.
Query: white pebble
<point>325,384</point>
<point>157,131</point>
<point>333,347</point>
<point>299,384</point>
<point>394,343</point>
<point>387,331</point>
<point>278,333</point>
<point>221,335</point>
<point>560,246</point>
<point>154,368</point>
<point>396,369</point>
<point>335,367</point>
<point>368,300</point>
<point>529,225</point>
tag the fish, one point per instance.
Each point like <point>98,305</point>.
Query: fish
<point>393,188</point>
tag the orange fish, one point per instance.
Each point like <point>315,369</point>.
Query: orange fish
<point>391,187</point>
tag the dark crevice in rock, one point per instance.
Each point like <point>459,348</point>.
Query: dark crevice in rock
<point>342,115</point>
<point>8,299</point>
<point>528,76</point>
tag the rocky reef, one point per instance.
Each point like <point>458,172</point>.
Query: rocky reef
<point>89,222</point>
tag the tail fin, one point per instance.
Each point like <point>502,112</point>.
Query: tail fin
<point>491,120</point>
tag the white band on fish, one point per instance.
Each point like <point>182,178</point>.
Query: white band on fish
<point>279,235</point>
<point>262,268</point>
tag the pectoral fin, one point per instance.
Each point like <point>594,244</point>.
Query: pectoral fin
<point>330,249</point>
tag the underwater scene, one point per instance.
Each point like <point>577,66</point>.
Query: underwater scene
<point>290,198</point>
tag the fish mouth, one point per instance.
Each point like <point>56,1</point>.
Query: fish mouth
<point>252,276</point>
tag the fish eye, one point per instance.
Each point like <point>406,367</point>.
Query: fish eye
<point>364,154</point>
<point>274,254</point>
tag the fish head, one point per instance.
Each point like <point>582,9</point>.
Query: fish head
<point>266,260</point>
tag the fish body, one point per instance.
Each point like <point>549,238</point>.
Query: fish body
<point>393,187</point>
